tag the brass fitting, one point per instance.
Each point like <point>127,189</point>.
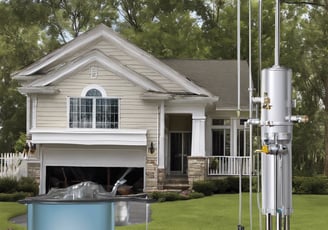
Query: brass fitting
<point>266,102</point>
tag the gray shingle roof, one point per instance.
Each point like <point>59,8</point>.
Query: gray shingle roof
<point>217,76</point>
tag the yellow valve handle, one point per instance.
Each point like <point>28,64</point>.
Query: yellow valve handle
<point>265,149</point>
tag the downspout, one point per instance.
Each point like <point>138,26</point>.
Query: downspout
<point>161,145</point>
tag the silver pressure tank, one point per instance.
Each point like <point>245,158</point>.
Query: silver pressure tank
<point>276,136</point>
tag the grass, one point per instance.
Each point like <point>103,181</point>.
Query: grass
<point>9,210</point>
<point>219,212</point>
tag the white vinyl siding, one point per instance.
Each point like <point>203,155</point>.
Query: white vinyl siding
<point>134,113</point>
<point>138,67</point>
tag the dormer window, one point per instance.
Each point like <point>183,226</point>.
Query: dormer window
<point>93,110</point>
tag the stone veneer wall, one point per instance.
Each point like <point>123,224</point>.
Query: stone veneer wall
<point>151,172</point>
<point>33,170</point>
<point>161,178</point>
<point>197,169</point>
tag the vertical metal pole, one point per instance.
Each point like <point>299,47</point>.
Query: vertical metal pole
<point>238,58</point>
<point>240,192</point>
<point>250,89</point>
<point>277,34</point>
<point>268,221</point>
<point>278,221</point>
<point>286,222</point>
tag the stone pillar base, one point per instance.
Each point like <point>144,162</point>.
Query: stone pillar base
<point>151,174</point>
<point>197,169</point>
<point>161,178</point>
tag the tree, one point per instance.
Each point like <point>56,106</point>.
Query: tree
<point>18,47</point>
<point>311,74</point>
<point>69,18</point>
<point>163,28</point>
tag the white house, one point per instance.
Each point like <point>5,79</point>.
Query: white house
<point>99,105</point>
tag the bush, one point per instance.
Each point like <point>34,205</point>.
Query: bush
<point>310,185</point>
<point>13,197</point>
<point>196,195</point>
<point>173,196</point>
<point>8,185</point>
<point>28,184</point>
<point>167,196</point>
<point>25,184</point>
<point>221,185</point>
<point>207,187</point>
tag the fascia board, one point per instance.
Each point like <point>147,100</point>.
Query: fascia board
<point>38,90</point>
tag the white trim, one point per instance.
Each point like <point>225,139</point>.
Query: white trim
<point>105,33</point>
<point>161,150</point>
<point>34,110</point>
<point>126,137</point>
<point>111,64</point>
<point>39,90</point>
<point>94,86</point>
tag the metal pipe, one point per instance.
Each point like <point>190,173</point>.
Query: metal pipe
<point>277,34</point>
<point>278,221</point>
<point>268,221</point>
<point>250,89</point>
<point>286,222</point>
<point>238,58</point>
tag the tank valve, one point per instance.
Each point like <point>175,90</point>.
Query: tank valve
<point>265,149</point>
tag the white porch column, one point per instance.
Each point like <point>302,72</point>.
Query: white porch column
<point>198,136</point>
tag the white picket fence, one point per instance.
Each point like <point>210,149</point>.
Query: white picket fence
<point>13,165</point>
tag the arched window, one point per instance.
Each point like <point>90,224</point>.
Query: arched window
<point>93,110</point>
<point>93,93</point>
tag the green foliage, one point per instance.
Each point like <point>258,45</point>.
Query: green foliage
<point>12,197</point>
<point>8,185</point>
<point>24,185</point>
<point>223,185</point>
<point>310,185</point>
<point>207,187</point>
<point>173,196</point>
<point>20,143</point>
<point>28,184</point>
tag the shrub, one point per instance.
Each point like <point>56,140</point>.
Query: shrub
<point>13,197</point>
<point>196,195</point>
<point>25,184</point>
<point>310,185</point>
<point>207,187</point>
<point>167,196</point>
<point>8,185</point>
<point>221,185</point>
<point>28,184</point>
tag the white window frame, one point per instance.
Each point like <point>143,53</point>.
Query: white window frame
<point>104,96</point>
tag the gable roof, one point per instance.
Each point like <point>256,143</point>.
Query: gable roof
<point>56,61</point>
<point>217,76</point>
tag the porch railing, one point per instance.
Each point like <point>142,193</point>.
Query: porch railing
<point>228,165</point>
<point>13,165</point>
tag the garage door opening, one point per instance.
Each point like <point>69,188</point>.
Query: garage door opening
<point>62,177</point>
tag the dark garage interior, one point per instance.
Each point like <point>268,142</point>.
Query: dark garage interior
<point>64,176</point>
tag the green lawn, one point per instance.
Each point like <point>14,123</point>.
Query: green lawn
<point>8,210</point>
<point>219,212</point>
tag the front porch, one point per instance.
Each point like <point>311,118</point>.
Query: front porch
<point>203,168</point>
